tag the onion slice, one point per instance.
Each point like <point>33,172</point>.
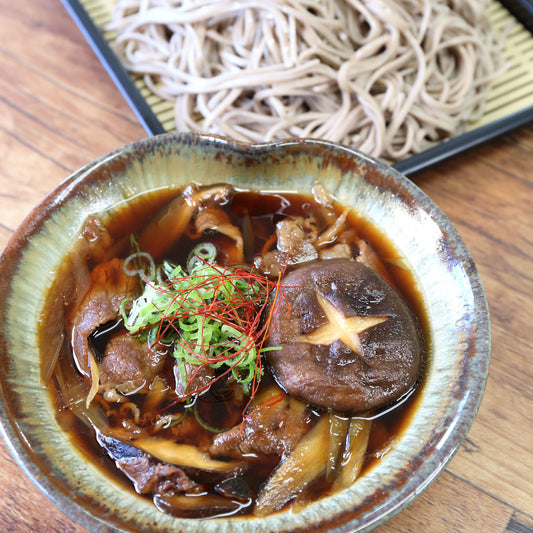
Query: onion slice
<point>302,466</point>
<point>354,455</point>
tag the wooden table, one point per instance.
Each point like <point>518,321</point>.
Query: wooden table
<point>59,110</point>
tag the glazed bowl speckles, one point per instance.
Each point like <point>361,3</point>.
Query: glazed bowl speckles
<point>452,296</point>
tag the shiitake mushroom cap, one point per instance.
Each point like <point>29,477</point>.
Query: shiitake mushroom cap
<point>328,362</point>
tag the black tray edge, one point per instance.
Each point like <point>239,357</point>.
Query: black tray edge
<point>114,67</point>
<point>462,143</point>
<point>521,9</point>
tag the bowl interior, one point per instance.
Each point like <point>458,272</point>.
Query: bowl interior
<point>446,278</point>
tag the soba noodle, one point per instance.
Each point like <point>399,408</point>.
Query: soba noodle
<point>388,77</point>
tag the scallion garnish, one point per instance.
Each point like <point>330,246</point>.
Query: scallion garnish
<point>210,316</point>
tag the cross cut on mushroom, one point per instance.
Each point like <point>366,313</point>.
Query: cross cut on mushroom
<point>339,327</point>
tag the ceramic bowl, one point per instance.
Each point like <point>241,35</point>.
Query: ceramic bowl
<point>447,281</point>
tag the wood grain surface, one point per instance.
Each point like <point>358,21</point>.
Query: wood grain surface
<point>59,109</point>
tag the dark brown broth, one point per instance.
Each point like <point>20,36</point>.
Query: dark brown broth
<point>258,212</point>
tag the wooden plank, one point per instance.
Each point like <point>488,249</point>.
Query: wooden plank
<point>24,508</point>
<point>42,36</point>
<point>497,455</point>
<point>70,131</point>
<point>450,505</point>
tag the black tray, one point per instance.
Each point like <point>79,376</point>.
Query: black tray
<point>521,9</point>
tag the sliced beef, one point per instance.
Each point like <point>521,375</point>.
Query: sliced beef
<point>109,285</point>
<point>341,250</point>
<point>173,219</point>
<point>273,427</point>
<point>295,238</point>
<point>195,378</point>
<point>148,475</point>
<point>151,477</point>
<point>349,342</point>
<point>126,364</point>
<point>129,365</point>
<point>369,257</point>
<point>99,243</point>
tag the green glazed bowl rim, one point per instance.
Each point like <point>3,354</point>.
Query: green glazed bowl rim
<point>457,374</point>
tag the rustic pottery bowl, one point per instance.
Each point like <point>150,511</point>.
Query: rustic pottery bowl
<point>449,286</point>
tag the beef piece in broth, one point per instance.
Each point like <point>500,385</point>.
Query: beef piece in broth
<point>274,425</point>
<point>193,379</point>
<point>109,286</point>
<point>148,475</point>
<point>125,363</point>
<point>129,365</point>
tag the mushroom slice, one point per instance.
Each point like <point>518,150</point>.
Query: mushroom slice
<point>185,455</point>
<point>214,218</point>
<point>354,456</point>
<point>338,431</point>
<point>173,219</point>
<point>197,506</point>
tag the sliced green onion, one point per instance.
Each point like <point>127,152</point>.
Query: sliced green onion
<point>140,264</point>
<point>208,314</point>
<point>204,253</point>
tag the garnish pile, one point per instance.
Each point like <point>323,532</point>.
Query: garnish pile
<point>209,314</point>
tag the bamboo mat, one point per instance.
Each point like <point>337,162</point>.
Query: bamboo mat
<point>512,91</point>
